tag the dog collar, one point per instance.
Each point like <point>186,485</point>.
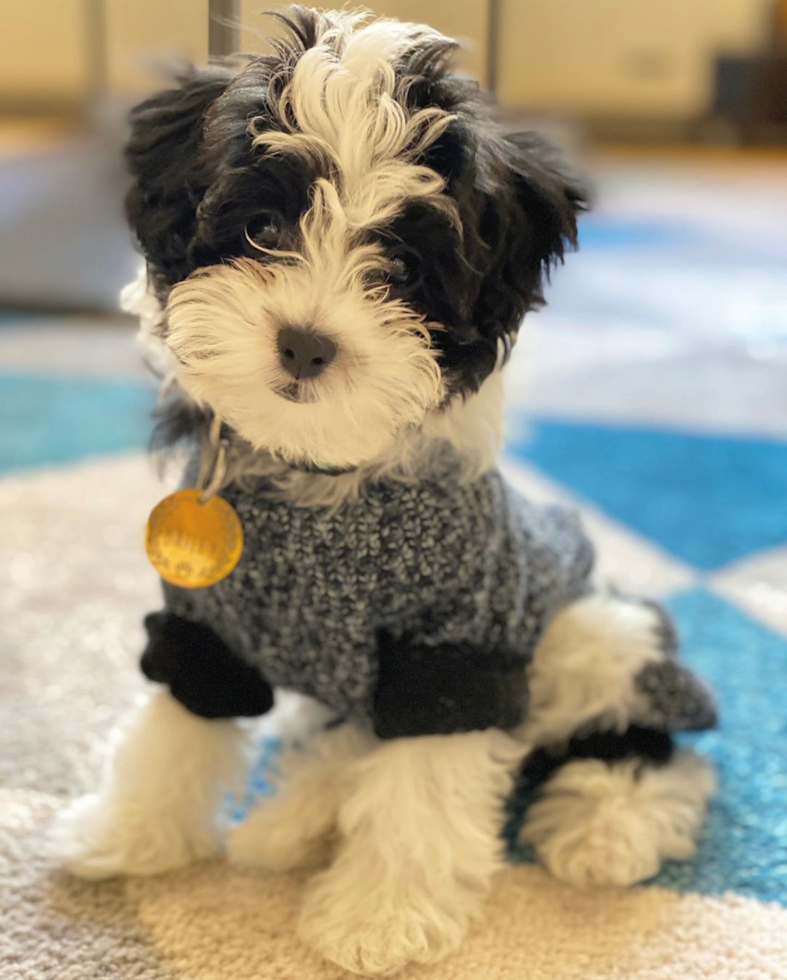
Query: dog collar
<point>322,470</point>
<point>215,462</point>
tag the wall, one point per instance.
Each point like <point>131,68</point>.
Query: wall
<point>466,21</point>
<point>142,35</point>
<point>618,57</point>
<point>43,51</point>
<point>647,57</point>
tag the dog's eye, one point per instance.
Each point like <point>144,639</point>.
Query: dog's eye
<point>264,229</point>
<point>398,273</point>
<point>403,271</point>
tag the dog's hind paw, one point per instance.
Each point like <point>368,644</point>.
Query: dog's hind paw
<point>599,824</point>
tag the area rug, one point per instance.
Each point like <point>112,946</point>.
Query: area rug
<point>77,585</point>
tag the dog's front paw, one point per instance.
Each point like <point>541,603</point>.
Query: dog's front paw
<point>94,839</point>
<point>366,930</point>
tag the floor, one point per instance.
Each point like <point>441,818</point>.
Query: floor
<point>651,393</point>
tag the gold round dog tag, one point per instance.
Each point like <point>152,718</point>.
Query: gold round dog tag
<point>193,544</point>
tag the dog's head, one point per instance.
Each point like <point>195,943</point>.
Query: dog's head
<point>341,239</point>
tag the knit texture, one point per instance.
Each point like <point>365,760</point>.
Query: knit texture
<point>439,562</point>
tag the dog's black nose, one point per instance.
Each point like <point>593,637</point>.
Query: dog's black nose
<point>304,354</point>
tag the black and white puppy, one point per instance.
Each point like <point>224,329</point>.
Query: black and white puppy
<point>340,249</point>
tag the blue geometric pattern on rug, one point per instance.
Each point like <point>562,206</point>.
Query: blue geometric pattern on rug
<point>744,846</point>
<point>48,420</point>
<point>598,233</point>
<point>706,499</point>
<point>677,241</point>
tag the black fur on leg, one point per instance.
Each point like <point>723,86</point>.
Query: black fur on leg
<point>654,748</point>
<point>202,672</point>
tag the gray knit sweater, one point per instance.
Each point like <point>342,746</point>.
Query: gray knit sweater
<point>437,566</point>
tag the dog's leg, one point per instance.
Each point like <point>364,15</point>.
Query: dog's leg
<point>420,839</point>
<point>600,823</point>
<point>159,804</point>
<point>585,666</point>
<point>293,828</point>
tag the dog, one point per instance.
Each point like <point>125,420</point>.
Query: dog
<point>340,248</point>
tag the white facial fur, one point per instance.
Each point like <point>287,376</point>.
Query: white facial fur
<point>223,327</point>
<point>224,320</point>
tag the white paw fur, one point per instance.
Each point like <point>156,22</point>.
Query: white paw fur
<point>419,843</point>
<point>158,808</point>
<point>600,824</point>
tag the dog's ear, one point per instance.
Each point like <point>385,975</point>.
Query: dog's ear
<point>527,220</point>
<point>165,157</point>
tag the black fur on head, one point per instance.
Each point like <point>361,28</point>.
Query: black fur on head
<point>202,188</point>
<point>518,210</point>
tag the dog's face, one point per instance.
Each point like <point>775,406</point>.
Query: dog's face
<point>342,241</point>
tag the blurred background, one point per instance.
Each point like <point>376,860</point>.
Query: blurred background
<point>700,84</point>
<point>651,393</point>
